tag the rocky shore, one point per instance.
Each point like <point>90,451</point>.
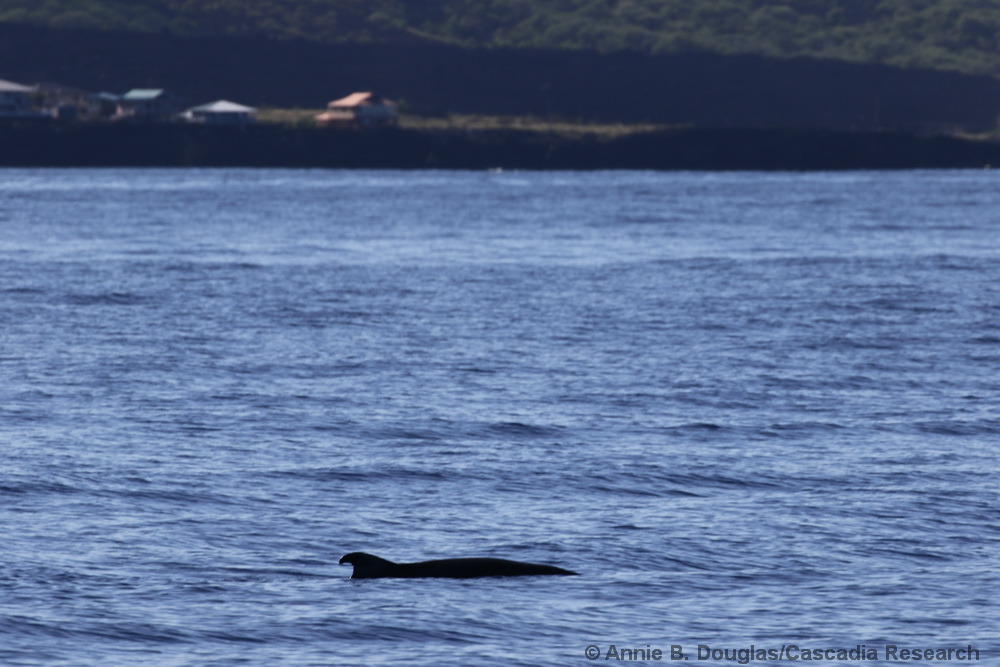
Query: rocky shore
<point>39,144</point>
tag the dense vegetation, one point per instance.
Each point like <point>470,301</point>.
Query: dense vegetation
<point>943,34</point>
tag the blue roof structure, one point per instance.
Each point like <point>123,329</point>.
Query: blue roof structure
<point>142,94</point>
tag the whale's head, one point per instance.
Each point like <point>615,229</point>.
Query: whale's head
<point>367,566</point>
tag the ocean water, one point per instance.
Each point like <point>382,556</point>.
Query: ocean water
<point>750,409</point>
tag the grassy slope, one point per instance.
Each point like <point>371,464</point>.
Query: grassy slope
<point>304,118</point>
<point>961,35</point>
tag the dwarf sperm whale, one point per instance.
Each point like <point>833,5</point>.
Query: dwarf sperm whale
<point>367,566</point>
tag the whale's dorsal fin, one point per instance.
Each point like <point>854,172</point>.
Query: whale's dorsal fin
<point>367,566</point>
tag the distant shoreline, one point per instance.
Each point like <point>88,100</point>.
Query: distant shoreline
<point>691,89</point>
<point>271,145</point>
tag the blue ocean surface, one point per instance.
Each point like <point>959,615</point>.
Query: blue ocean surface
<point>750,409</point>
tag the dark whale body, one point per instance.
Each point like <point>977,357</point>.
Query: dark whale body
<point>367,566</point>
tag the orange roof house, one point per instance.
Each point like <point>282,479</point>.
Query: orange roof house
<point>359,110</point>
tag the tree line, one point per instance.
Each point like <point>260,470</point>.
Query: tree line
<point>958,35</point>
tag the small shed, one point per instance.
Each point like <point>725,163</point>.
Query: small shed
<point>15,99</point>
<point>221,112</point>
<point>103,104</point>
<point>148,104</point>
<point>359,110</point>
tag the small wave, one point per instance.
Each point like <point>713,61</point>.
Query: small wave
<point>373,475</point>
<point>106,299</point>
<point>910,553</point>
<point>22,290</point>
<point>399,633</point>
<point>37,486</point>
<point>397,433</point>
<point>103,489</point>
<point>792,429</point>
<point>696,427</point>
<point>522,430</point>
<point>955,262</point>
<point>654,483</point>
<point>961,428</point>
<point>856,343</point>
<point>185,497</point>
<point>636,490</point>
<point>900,304</point>
<point>23,625</point>
<point>189,267</point>
<point>142,633</point>
<point>476,369</point>
<point>233,637</point>
<point>242,574</point>
<point>726,482</point>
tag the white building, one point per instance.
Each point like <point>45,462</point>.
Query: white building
<point>15,100</point>
<point>221,112</point>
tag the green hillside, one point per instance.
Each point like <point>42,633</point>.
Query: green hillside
<point>961,35</point>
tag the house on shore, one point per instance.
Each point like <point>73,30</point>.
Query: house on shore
<point>64,102</point>
<point>148,104</point>
<point>221,112</point>
<point>102,105</point>
<point>359,110</point>
<point>16,100</point>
